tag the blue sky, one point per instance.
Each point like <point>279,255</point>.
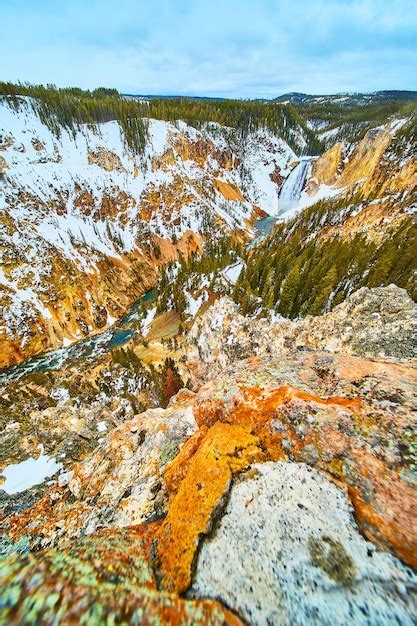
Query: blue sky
<point>232,48</point>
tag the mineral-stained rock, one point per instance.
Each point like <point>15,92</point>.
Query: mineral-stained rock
<point>348,416</point>
<point>105,159</point>
<point>119,484</point>
<point>103,579</point>
<point>224,450</point>
<point>326,168</point>
<point>287,551</point>
<point>379,322</point>
<point>371,164</point>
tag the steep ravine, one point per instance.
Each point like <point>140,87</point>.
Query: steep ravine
<point>87,223</point>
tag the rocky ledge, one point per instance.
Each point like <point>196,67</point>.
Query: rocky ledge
<point>283,488</point>
<point>374,323</point>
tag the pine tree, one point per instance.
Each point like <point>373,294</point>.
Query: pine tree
<point>289,291</point>
<point>323,292</point>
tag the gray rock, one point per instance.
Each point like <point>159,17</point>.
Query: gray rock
<point>287,551</point>
<point>374,323</point>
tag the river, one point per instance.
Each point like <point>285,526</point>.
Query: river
<point>90,348</point>
<point>86,349</point>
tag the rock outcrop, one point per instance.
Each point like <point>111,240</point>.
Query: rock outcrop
<point>326,168</point>
<point>374,323</point>
<point>105,159</point>
<point>3,165</point>
<point>287,478</point>
<point>118,485</point>
<point>287,551</point>
<point>346,417</point>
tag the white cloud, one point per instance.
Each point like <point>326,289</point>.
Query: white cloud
<point>237,48</point>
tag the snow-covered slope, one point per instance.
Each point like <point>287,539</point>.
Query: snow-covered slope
<point>85,222</point>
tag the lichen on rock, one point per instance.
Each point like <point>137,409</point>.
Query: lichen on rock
<point>287,551</point>
<point>102,579</point>
<point>222,451</point>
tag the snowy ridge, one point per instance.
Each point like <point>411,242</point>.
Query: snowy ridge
<point>72,202</point>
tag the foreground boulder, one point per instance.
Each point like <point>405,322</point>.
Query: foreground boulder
<point>287,551</point>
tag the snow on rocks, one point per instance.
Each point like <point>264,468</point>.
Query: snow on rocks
<point>146,323</point>
<point>232,272</point>
<point>120,483</point>
<point>194,304</point>
<point>26,474</point>
<point>81,207</point>
<point>266,155</point>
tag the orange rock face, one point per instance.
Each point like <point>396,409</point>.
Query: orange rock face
<point>222,451</point>
<point>334,433</point>
<point>349,417</point>
<point>326,168</point>
<point>201,474</point>
<point>229,191</point>
<point>349,438</point>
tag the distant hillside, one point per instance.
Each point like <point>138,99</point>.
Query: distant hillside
<point>69,107</point>
<point>349,99</point>
<point>153,97</point>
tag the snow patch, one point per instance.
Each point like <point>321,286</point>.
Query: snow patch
<point>22,476</point>
<point>232,272</point>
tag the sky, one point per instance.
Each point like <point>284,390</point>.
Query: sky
<point>227,48</point>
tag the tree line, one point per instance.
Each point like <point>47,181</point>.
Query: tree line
<point>69,107</point>
<point>297,274</point>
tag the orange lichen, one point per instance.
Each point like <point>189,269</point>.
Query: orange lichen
<point>177,469</point>
<point>254,409</point>
<point>258,407</point>
<point>105,577</point>
<point>200,476</point>
<point>384,533</point>
<point>224,450</point>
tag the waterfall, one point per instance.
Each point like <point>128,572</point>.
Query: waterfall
<point>293,186</point>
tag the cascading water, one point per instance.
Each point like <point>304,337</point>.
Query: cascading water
<point>288,198</point>
<point>293,186</point>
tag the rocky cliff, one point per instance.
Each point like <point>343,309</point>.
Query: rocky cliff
<point>192,456</point>
<point>382,165</point>
<point>87,223</point>
<point>282,486</point>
